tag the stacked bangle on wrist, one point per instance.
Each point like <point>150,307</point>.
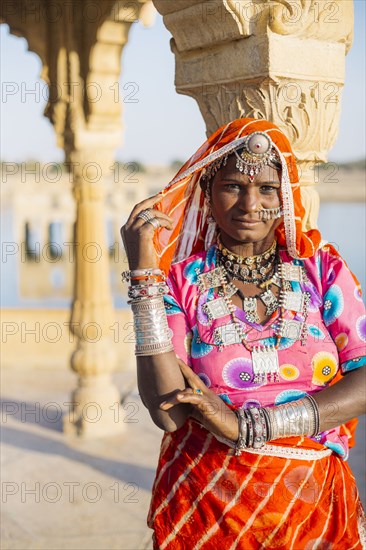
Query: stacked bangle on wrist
<point>147,290</point>
<point>242,439</point>
<point>152,332</point>
<point>153,274</point>
<point>153,335</point>
<point>294,418</point>
<point>258,426</point>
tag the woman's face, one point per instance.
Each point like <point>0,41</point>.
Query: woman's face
<point>236,201</point>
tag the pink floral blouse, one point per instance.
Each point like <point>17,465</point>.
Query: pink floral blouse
<point>336,325</point>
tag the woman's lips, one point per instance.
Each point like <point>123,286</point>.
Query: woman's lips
<point>246,222</point>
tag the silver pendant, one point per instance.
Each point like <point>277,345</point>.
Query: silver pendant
<point>291,329</point>
<point>244,272</point>
<point>227,335</point>
<point>292,273</point>
<point>216,308</point>
<point>276,280</point>
<point>250,308</point>
<point>294,301</point>
<point>265,364</point>
<point>211,279</point>
<point>230,290</point>
<point>269,300</point>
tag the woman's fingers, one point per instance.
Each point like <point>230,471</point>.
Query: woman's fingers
<point>164,220</point>
<point>136,224</point>
<point>192,396</point>
<point>192,378</point>
<point>176,399</point>
<point>138,232</point>
<point>143,205</point>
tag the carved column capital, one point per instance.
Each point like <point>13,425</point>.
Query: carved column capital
<point>282,61</point>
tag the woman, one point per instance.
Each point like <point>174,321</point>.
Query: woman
<point>256,387</point>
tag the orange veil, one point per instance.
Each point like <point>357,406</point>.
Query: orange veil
<point>183,199</point>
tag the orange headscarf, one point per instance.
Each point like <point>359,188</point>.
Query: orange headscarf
<point>183,199</point>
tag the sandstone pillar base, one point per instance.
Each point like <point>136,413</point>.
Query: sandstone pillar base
<point>95,409</point>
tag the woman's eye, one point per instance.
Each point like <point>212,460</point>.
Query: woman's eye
<point>232,186</point>
<point>268,188</point>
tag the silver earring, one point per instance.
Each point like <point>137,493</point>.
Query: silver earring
<point>210,219</point>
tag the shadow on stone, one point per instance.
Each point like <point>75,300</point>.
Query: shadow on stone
<point>120,470</point>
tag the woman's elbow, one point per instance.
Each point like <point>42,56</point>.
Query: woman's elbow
<point>169,421</point>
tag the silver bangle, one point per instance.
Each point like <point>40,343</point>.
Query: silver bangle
<point>250,437</point>
<point>152,303</point>
<point>291,419</point>
<point>148,273</point>
<point>309,398</point>
<point>152,333</point>
<point>154,349</point>
<point>148,290</point>
<point>242,426</point>
<point>259,427</point>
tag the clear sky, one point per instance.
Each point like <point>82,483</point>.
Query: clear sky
<point>161,125</point>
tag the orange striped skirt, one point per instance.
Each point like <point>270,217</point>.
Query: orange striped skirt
<point>297,495</point>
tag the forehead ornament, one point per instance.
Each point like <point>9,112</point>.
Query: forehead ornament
<point>257,152</point>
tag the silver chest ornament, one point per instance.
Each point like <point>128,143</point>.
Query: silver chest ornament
<point>269,300</point>
<point>215,309</point>
<point>265,360</point>
<point>265,364</point>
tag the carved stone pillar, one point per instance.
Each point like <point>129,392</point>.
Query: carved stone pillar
<point>80,44</point>
<point>96,401</point>
<point>282,61</point>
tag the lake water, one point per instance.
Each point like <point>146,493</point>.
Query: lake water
<point>344,225</point>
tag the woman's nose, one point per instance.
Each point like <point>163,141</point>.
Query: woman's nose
<point>249,201</point>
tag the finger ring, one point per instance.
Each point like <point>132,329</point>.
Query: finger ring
<point>146,215</point>
<point>155,222</point>
<point>198,391</point>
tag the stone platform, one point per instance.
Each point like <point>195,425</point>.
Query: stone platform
<point>61,493</point>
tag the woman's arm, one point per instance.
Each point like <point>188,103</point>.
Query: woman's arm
<point>159,376</point>
<point>159,379</point>
<point>337,404</point>
<point>163,391</point>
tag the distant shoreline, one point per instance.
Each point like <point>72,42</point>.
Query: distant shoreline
<point>342,186</point>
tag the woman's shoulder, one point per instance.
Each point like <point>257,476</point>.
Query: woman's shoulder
<point>325,255</point>
<point>189,268</point>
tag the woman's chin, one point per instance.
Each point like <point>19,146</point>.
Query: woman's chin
<point>251,235</point>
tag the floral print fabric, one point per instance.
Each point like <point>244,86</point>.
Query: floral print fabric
<point>336,324</point>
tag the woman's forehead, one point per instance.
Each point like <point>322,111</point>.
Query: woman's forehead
<point>231,171</point>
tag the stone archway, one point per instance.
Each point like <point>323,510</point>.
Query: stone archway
<point>80,46</point>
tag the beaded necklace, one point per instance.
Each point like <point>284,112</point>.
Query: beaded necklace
<point>251,269</point>
<point>264,357</point>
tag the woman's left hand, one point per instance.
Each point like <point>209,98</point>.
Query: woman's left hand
<point>207,406</point>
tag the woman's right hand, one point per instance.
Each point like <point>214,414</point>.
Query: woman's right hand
<point>137,234</point>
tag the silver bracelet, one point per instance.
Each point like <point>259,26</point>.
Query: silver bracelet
<point>316,413</point>
<point>241,443</point>
<point>147,290</point>
<point>293,419</point>
<point>250,427</point>
<point>152,332</point>
<point>260,435</point>
<point>153,349</point>
<point>257,426</point>
<point>148,273</point>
